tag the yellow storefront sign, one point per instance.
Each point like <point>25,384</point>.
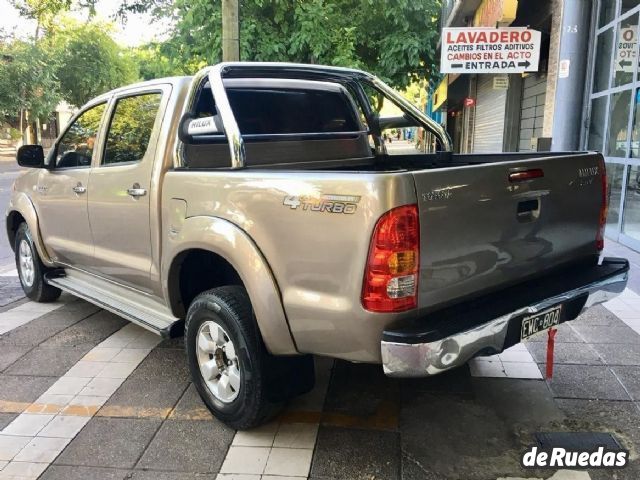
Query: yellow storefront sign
<point>440,95</point>
<point>493,12</point>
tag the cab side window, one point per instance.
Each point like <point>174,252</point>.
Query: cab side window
<point>76,146</point>
<point>130,128</point>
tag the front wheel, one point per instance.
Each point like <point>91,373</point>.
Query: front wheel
<point>239,381</point>
<point>31,269</point>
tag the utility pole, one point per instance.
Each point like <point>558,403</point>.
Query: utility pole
<point>230,31</point>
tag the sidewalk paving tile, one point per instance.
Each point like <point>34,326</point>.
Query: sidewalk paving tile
<point>608,334</point>
<point>30,470</point>
<point>101,387</point>
<point>629,376</point>
<point>459,437</point>
<point>344,454</point>
<point>92,330</point>
<point>64,426</point>
<point>289,462</point>
<point>358,389</point>
<point>27,424</point>
<point>188,446</point>
<point>109,442</point>
<point>251,460</point>
<point>156,475</point>
<point>10,446</point>
<point>68,385</point>
<point>48,361</point>
<point>165,377</point>
<point>296,435</point>
<point>41,450</point>
<point>191,407</point>
<point>597,316</point>
<point>571,353</point>
<point>10,353</point>
<point>586,381</point>
<point>618,354</point>
<point>517,402</point>
<point>261,436</point>
<point>63,472</point>
<point>6,419</point>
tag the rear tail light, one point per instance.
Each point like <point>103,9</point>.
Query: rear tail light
<point>604,206</point>
<point>391,276</point>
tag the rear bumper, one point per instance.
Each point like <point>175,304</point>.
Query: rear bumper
<point>430,346</point>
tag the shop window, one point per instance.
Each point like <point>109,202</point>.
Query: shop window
<point>627,5</point>
<point>626,46</point>
<point>596,124</point>
<point>618,124</point>
<point>631,215</point>
<point>602,70</point>
<point>635,130</point>
<point>607,12</point>
<point>615,172</point>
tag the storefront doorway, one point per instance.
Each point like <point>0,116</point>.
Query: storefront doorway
<point>614,113</point>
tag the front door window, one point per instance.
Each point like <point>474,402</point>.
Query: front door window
<point>76,146</point>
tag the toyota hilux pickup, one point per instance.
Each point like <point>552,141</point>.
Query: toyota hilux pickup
<point>255,209</point>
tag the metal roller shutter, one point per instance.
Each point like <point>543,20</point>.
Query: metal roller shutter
<point>532,113</point>
<point>488,132</point>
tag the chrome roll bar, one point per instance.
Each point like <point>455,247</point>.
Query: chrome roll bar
<point>216,73</point>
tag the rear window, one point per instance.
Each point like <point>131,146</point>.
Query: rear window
<point>286,111</point>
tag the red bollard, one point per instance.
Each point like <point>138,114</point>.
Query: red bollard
<point>550,346</point>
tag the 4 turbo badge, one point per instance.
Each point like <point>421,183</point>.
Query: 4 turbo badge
<point>328,203</point>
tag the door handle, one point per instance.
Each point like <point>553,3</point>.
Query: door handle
<point>79,189</point>
<point>137,191</point>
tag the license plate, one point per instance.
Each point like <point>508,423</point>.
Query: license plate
<point>540,322</point>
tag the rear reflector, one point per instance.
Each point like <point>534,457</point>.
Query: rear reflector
<point>604,205</point>
<point>391,276</point>
<point>526,175</point>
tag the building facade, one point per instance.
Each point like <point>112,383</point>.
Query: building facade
<point>585,94</point>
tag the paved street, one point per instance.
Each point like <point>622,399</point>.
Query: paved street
<point>84,394</point>
<point>9,170</point>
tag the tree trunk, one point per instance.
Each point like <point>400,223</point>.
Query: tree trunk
<point>230,31</point>
<point>24,140</point>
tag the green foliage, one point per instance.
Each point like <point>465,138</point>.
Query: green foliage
<point>131,128</point>
<point>157,60</point>
<point>27,80</point>
<point>90,61</point>
<point>395,39</point>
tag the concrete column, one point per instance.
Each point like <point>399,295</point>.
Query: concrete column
<point>552,67</point>
<point>574,43</point>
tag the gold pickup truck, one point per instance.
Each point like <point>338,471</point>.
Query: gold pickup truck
<point>256,209</point>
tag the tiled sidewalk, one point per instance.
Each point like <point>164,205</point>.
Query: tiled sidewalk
<point>148,422</point>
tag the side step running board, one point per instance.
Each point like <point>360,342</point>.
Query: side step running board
<point>147,313</point>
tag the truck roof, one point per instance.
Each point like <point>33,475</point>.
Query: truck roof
<point>178,80</point>
<point>267,68</point>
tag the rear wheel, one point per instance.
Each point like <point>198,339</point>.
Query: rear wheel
<point>239,381</point>
<point>31,270</point>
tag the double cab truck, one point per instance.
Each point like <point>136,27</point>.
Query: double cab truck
<point>255,209</point>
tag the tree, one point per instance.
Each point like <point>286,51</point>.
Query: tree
<point>90,61</point>
<point>395,39</point>
<point>28,81</point>
<point>42,11</point>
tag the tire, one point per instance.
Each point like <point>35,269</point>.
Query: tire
<point>222,340</point>
<point>31,270</point>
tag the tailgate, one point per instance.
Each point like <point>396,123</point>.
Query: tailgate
<point>481,232</point>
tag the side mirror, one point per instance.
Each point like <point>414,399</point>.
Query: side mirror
<point>31,156</point>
